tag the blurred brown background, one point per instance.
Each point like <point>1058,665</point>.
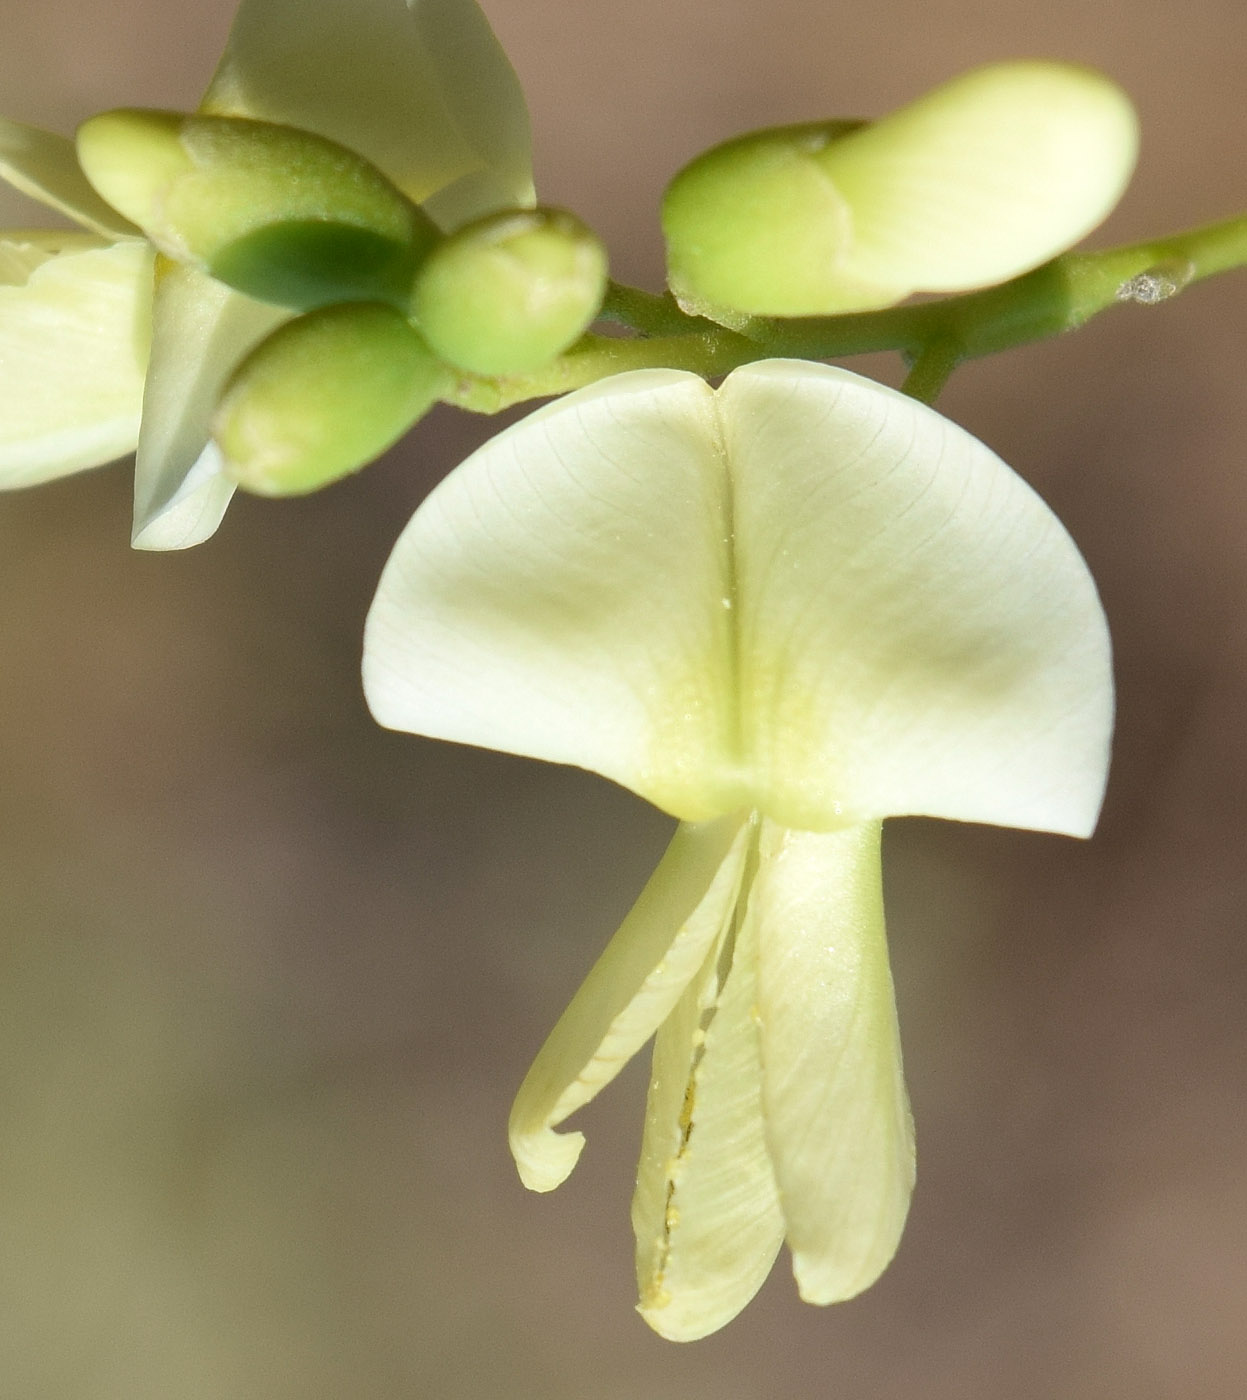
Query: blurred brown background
<point>269,976</point>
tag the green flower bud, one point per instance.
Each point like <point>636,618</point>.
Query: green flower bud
<point>980,180</point>
<point>323,396</point>
<point>280,214</point>
<point>506,294</point>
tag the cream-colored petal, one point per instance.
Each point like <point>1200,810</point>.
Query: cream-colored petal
<point>23,250</point>
<point>202,330</point>
<point>706,1213</point>
<point>74,338</point>
<point>917,632</point>
<point>808,594</point>
<point>45,166</point>
<point>837,1119</point>
<point>982,179</point>
<point>628,993</point>
<point>422,88</point>
<point>566,594</point>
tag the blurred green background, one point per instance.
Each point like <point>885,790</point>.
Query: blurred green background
<point>269,975</point>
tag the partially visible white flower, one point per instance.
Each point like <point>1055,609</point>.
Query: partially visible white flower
<point>419,87</point>
<point>781,611</point>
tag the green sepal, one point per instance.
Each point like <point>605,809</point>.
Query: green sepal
<point>756,221</point>
<point>324,395</point>
<point>306,263</point>
<point>509,292</point>
<point>281,215</point>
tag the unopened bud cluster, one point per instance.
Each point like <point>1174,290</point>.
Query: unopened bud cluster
<point>978,181</point>
<point>388,308</point>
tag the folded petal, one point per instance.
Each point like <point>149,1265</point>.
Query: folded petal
<point>566,594</point>
<point>917,632</point>
<point>45,166</point>
<point>75,326</point>
<point>988,176</point>
<point>628,993</point>
<point>808,594</point>
<point>23,250</point>
<point>422,88</point>
<point>838,1127</point>
<point>201,331</point>
<point>706,1213</point>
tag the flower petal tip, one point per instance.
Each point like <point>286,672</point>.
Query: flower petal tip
<point>545,1159</point>
<point>674,1324</point>
<point>821,1284</point>
<point>689,1316</point>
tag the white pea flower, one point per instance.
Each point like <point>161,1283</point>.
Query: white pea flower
<point>781,611</point>
<point>421,88</point>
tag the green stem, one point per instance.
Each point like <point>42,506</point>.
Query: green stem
<point>646,313</point>
<point>594,357</point>
<point>1057,297</point>
<point>930,370</point>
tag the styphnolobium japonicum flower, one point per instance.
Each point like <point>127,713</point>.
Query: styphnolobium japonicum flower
<point>781,609</point>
